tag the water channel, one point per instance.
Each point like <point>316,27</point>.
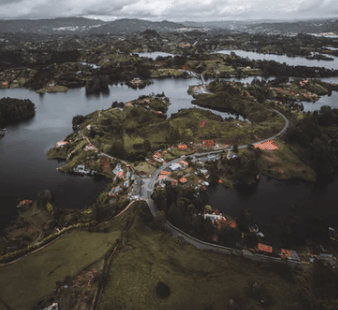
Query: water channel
<point>291,61</point>
<point>24,169</point>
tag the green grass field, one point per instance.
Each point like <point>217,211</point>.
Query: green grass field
<point>33,277</point>
<point>197,279</point>
<point>283,164</point>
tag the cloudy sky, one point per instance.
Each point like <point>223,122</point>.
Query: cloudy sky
<point>175,10</point>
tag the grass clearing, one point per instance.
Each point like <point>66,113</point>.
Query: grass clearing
<point>144,166</point>
<point>283,164</point>
<point>33,277</point>
<point>197,279</point>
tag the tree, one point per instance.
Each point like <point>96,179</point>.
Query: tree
<point>235,148</point>
<point>50,208</point>
<point>244,220</point>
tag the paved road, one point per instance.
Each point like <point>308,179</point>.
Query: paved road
<point>148,188</point>
<point>155,175</point>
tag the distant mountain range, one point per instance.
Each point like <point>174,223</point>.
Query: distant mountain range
<point>86,26</point>
<point>305,26</point>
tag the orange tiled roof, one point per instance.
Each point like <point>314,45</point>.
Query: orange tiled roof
<point>208,142</point>
<point>264,248</point>
<point>286,252</point>
<point>268,145</point>
<point>184,163</point>
<point>25,202</point>
<point>202,123</point>
<point>182,146</point>
<point>163,172</point>
<point>61,143</point>
<point>183,180</point>
<point>120,174</point>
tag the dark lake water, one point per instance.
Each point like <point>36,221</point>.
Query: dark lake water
<point>269,202</point>
<point>291,61</point>
<point>24,169</point>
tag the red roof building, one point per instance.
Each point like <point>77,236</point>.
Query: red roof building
<point>182,146</point>
<point>208,142</point>
<point>163,172</point>
<point>268,145</point>
<point>264,248</point>
<point>25,202</point>
<point>61,143</point>
<point>184,163</point>
<point>183,180</point>
<point>120,174</point>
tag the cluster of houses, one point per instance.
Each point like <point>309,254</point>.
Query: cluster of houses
<point>122,175</point>
<point>323,255</point>
<point>165,175</point>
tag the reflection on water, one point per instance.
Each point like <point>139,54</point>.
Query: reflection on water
<point>25,170</point>
<point>270,201</point>
<point>291,61</point>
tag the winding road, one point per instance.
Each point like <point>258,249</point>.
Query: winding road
<point>148,188</point>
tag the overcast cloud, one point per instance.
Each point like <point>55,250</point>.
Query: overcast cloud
<point>175,10</point>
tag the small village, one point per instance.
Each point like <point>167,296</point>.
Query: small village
<point>160,167</point>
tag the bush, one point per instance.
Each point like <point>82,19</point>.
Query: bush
<point>162,290</point>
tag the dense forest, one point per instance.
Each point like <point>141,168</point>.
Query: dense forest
<point>12,110</point>
<point>314,138</point>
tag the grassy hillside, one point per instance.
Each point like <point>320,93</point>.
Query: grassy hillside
<point>33,277</point>
<point>196,279</point>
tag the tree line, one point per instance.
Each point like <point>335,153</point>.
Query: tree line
<point>12,110</point>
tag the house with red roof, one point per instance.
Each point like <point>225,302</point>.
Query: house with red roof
<point>182,147</point>
<point>162,177</point>
<point>264,248</point>
<point>289,254</point>
<point>163,172</point>
<point>24,203</point>
<point>61,143</point>
<point>183,180</point>
<point>120,175</point>
<point>208,142</point>
<point>184,163</point>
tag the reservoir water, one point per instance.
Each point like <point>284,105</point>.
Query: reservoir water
<point>24,169</point>
<point>291,61</point>
<point>270,203</point>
